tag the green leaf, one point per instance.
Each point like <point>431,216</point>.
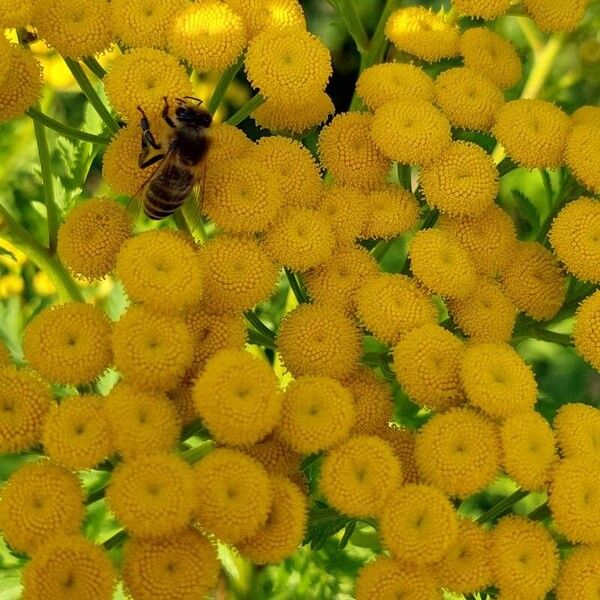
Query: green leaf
<point>526,209</point>
<point>347,534</point>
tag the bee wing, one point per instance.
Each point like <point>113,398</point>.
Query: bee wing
<point>192,207</point>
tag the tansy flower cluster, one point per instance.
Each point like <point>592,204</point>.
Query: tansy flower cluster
<point>267,373</point>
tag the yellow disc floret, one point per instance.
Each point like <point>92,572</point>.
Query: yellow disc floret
<point>552,15</point>
<point>586,332</point>
<point>577,428</point>
<point>582,152</point>
<point>346,210</point>
<point>22,85</point>
<point>391,211</point>
<point>579,578</point>
<point>226,143</point>
<point>259,15</point>
<point>16,13</point>
<point>402,442</point>
<point>483,9</point>
<point>275,456</point>
<point>5,356</point>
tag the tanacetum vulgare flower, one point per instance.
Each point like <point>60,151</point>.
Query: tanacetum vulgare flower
<point>533,132</point>
<point>238,274</point>
<point>418,524</point>
<point>5,58</point>
<point>74,28</point>
<point>90,238</point>
<point>24,402</point>
<point>575,499</point>
<point>237,397</point>
<point>528,449</point>
<point>141,422</point>
<point>5,356</point>
<point>491,55</point>
<point>16,13</point>
<point>152,496</point>
<point>22,85</point>
<point>524,558</point>
<point>143,77</point>
<point>318,340</point>
<point>577,428</point>
<point>226,143</point>
<point>316,414</point>
<point>183,566</point>
<point>346,210</point>
<point>233,495</point>
<point>287,61</point>
<point>552,16</point>
<point>259,15</point>
<point>69,566</point>
<point>381,83</point>
<point>402,442</point>
<point>581,154</point>
<point>209,36</point>
<point>388,578</point>
<point>358,475</point>
<point>427,365</point>
<point>534,281</point>
<point>152,351</point>
<point>483,9</point>
<point>586,330</point>
<point>76,433</point>
<point>349,153</point>
<point>497,380</point>
<point>39,501</point>
<point>579,578</point>
<point>284,530</point>
<point>391,211</point>
<point>275,456</point>
<point>442,264</point>
<point>586,114</point>
<point>419,31</point>
<point>389,305</point>
<point>410,131</point>
<point>242,195</point>
<point>69,343</point>
<point>182,401</point>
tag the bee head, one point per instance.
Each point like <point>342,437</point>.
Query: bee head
<point>190,112</point>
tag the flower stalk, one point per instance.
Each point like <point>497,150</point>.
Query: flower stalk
<point>246,110</point>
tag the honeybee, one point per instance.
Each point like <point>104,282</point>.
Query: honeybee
<point>181,156</point>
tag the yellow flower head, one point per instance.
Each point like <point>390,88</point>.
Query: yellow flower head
<point>392,211</point>
<point>16,13</point>
<point>301,238</point>
<point>152,496</point>
<point>183,566</point>
<point>582,154</point>
<point>316,414</point>
<point>90,239</point>
<point>74,28</point>
<point>259,15</point>
<point>237,397</point>
<point>579,578</point>
<point>381,83</point>
<point>533,280</point>
<point>226,143</point>
<point>491,55</point>
<point>348,152</point>
<point>233,495</point>
<point>284,530</point>
<point>69,567</point>
<point>586,332</point>
<point>143,23</point>
<point>427,365</point>
<point>577,428</point>
<point>142,77</point>
<point>419,31</point>
<point>294,115</point>
<point>238,274</point>
<point>209,36</point>
<point>358,476</point>
<point>552,15</point>
<point>483,9</point>
<point>22,85</point>
<point>5,58</point>
<point>390,305</point>
<point>586,114</point>
<point>418,524</point>
<point>387,578</point>
<point>275,456</point>
<point>575,237</point>
<point>183,402</point>
<point>24,402</point>
<point>497,380</point>
<point>346,210</point>
<point>69,343</point>
<point>141,422</point>
<point>442,264</point>
<point>39,501</point>
<point>533,132</point>
<point>283,62</point>
<point>462,181</point>
<point>76,433</point>
<point>162,270</point>
<point>488,237</point>
<point>528,449</point>
<point>402,442</point>
<point>410,131</point>
<point>242,195</point>
<point>469,100</point>
<point>524,558</point>
<point>299,176</point>
<point>318,340</point>
<point>152,351</point>
<point>458,452</point>
<point>5,356</point>
<point>487,315</point>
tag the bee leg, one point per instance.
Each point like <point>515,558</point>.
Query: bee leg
<point>143,164</point>
<point>165,113</point>
<point>146,133</point>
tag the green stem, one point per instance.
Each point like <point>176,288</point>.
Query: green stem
<point>65,130</point>
<point>542,66</point>
<point>258,339</point>
<point>354,25</point>
<point>181,223</point>
<point>94,66</point>
<point>226,78</point>
<point>115,540</point>
<point>88,89</point>
<point>404,176</point>
<point>506,165</point>
<point>382,249</point>
<point>378,42</point>
<point>253,319</point>
<point>545,335</point>
<point>531,33</point>
<point>193,455</point>
<point>502,506</point>
<point>257,100</point>
<point>295,286</point>
<point>95,496</point>
<point>9,228</point>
